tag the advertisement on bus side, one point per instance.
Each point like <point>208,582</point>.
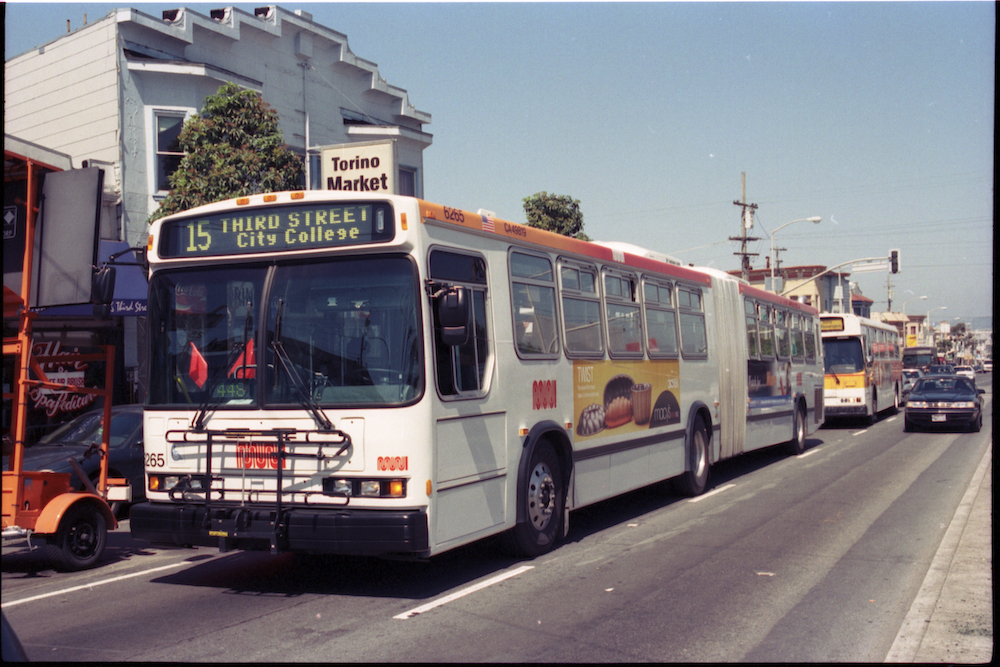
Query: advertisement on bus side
<point>625,396</point>
<point>770,382</point>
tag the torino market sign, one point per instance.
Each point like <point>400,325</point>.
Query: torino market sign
<point>367,166</point>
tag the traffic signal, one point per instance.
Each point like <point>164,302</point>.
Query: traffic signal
<point>894,261</point>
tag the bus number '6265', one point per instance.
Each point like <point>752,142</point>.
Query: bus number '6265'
<point>454,214</point>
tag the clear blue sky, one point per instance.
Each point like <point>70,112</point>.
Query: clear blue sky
<point>877,116</point>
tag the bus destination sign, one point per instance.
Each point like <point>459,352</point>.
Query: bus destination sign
<point>277,229</point>
<point>832,324</point>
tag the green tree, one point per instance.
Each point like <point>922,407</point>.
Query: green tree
<point>555,213</point>
<point>233,149</point>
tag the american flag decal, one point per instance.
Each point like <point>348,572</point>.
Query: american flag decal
<point>487,223</point>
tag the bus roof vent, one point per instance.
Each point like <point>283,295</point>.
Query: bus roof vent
<point>637,250</point>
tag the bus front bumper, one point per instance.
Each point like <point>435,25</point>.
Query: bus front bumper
<point>308,530</point>
<point>844,410</point>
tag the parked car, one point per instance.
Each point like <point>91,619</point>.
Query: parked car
<point>988,366</point>
<point>940,369</point>
<point>944,401</point>
<point>966,371</point>
<point>910,377</point>
<point>73,440</point>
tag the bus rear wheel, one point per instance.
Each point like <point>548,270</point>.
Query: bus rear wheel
<point>797,444</point>
<point>694,480</point>
<point>872,415</point>
<point>542,496</point>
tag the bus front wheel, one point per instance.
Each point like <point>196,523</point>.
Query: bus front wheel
<point>542,495</point>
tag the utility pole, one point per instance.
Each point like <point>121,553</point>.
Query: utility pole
<point>746,224</point>
<point>777,261</point>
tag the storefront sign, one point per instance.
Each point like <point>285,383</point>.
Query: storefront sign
<point>368,166</point>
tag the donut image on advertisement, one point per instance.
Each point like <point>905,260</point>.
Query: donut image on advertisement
<point>591,420</point>
<point>618,401</point>
<point>666,410</point>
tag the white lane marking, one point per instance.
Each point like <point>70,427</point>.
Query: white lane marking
<point>462,593</point>
<point>73,589</point>
<point>711,493</point>
<point>809,453</point>
<point>859,433</point>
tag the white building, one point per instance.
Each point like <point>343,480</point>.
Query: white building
<point>116,92</point>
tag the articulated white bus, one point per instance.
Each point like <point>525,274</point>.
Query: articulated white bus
<point>361,374</point>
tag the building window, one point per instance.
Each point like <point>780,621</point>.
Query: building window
<point>168,147</point>
<point>407,182</point>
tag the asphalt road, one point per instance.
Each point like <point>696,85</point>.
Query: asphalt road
<point>811,558</point>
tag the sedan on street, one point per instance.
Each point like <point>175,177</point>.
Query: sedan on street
<point>80,437</point>
<point>910,377</point>
<point>966,371</point>
<point>947,401</point>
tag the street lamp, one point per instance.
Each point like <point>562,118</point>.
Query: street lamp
<point>916,298</point>
<point>774,260</point>
<point>927,322</point>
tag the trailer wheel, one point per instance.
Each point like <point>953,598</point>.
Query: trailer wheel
<point>80,540</point>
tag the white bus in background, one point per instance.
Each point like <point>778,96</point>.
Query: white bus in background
<point>365,374</point>
<point>864,366</point>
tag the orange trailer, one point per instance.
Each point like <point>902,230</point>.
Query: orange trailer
<point>40,509</point>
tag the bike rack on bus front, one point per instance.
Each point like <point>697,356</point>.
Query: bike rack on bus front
<point>237,524</point>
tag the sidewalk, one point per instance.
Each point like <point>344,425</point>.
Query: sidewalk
<point>951,620</point>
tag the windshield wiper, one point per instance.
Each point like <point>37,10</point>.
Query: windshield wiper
<point>279,351</point>
<point>198,423</point>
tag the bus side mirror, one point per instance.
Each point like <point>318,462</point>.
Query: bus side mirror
<point>102,288</point>
<point>102,291</point>
<point>454,311</point>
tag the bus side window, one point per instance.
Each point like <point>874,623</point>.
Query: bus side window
<point>781,334</point>
<point>694,337</point>
<point>661,320</point>
<point>813,335</point>
<point>750,313</point>
<point>765,329</point>
<point>622,310</point>
<point>581,310</point>
<point>462,369</point>
<point>798,339</point>
<point>533,298</point>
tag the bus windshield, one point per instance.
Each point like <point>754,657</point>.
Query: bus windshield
<point>331,333</point>
<point>918,359</point>
<point>843,355</point>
